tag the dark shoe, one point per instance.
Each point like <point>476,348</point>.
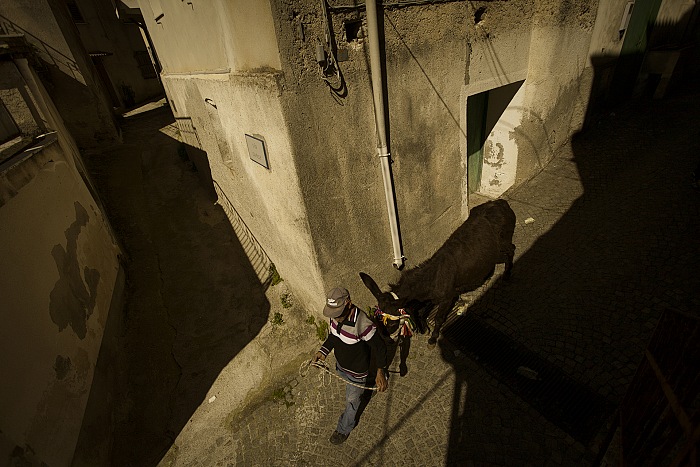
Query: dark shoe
<point>338,438</point>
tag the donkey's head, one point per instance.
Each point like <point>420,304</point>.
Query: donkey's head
<point>388,303</point>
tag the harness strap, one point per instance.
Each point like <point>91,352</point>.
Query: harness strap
<point>406,324</point>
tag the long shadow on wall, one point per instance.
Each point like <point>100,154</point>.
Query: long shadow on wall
<point>613,244</point>
<point>193,300</point>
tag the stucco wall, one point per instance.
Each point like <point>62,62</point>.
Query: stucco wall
<point>268,200</point>
<point>557,85</point>
<point>220,61</point>
<point>335,143</point>
<point>59,265</point>
<point>498,65</point>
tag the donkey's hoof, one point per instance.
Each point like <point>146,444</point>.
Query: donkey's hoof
<point>431,342</point>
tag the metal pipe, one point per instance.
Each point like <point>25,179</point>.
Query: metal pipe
<point>380,120</point>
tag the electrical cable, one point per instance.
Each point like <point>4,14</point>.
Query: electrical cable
<point>397,4</point>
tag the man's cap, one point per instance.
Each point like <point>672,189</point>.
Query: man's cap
<point>335,302</point>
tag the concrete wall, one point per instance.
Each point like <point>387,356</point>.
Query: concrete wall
<point>104,32</point>
<point>69,74</point>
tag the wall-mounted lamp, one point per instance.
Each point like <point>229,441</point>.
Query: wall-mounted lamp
<point>210,102</point>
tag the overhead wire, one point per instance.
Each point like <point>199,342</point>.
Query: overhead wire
<point>397,4</point>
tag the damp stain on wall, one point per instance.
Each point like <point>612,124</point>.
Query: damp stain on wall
<point>62,366</point>
<point>494,156</point>
<point>72,299</point>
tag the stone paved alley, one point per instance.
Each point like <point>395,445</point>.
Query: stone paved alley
<point>606,239</point>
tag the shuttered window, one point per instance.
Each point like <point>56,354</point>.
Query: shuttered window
<point>75,13</point>
<point>145,65</point>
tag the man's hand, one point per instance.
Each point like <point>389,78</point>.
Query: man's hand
<point>382,383</point>
<point>319,356</point>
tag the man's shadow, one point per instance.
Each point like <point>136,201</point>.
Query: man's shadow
<point>403,345</point>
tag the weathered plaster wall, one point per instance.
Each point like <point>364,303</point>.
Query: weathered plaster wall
<point>216,36</point>
<point>605,38</point>
<point>424,108</point>
<point>556,89</point>
<point>72,80</point>
<point>436,56</point>
<point>499,59</point>
<point>104,32</point>
<point>604,50</point>
<point>335,139</point>
<point>253,44</point>
<point>59,265</point>
<point>242,92</point>
<point>498,37</point>
<point>269,201</point>
<point>500,152</point>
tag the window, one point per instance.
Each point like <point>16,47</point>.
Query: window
<point>8,127</point>
<point>144,62</point>
<point>353,30</point>
<point>75,13</point>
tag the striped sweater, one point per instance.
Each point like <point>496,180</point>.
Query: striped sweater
<point>354,344</point>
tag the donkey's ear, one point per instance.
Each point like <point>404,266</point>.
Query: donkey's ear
<point>370,284</point>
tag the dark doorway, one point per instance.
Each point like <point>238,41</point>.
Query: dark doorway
<point>106,81</point>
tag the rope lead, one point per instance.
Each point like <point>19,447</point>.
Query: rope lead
<point>323,366</point>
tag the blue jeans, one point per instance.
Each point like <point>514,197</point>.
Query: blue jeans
<point>353,395</point>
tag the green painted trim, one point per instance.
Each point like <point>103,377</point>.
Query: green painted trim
<point>476,126</point>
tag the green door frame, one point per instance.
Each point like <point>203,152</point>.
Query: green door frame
<point>477,106</point>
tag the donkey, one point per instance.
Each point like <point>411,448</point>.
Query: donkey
<point>396,327</point>
<point>463,263</point>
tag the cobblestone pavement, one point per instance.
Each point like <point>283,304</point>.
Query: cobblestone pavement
<point>607,238</point>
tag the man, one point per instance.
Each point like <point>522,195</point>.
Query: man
<point>355,339</point>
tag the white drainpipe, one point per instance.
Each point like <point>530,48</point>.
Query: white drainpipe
<point>382,143</point>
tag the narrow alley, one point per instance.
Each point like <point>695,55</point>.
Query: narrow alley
<point>606,240</point>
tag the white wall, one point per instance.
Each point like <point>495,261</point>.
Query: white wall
<point>213,36</point>
<point>504,115</point>
<point>59,266</point>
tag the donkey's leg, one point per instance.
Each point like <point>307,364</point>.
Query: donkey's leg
<point>419,313</point>
<point>405,347</point>
<point>441,315</point>
<point>510,253</point>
